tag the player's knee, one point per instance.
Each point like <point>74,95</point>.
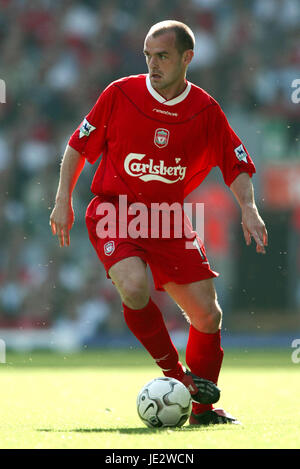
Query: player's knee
<point>134,293</point>
<point>209,319</point>
<point>214,318</point>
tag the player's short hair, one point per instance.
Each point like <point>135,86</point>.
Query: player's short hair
<point>185,38</point>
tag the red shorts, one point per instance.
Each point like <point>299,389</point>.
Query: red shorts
<point>169,259</point>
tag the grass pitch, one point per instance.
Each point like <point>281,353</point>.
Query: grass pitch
<point>88,400</point>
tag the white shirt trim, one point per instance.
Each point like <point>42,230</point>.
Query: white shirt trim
<point>162,100</point>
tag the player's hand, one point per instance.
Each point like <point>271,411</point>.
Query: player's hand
<point>61,222</point>
<point>254,227</point>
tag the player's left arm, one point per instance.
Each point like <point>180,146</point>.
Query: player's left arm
<point>252,223</point>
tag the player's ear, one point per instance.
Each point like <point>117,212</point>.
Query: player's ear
<point>188,56</point>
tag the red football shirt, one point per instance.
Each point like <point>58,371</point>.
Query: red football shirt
<point>157,150</point>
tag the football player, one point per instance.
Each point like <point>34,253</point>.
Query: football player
<point>159,136</point>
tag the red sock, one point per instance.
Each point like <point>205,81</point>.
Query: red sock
<point>148,326</point>
<point>204,357</point>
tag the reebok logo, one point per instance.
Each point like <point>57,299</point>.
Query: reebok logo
<point>168,113</point>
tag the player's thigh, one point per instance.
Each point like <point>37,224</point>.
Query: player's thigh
<point>199,302</point>
<point>130,278</point>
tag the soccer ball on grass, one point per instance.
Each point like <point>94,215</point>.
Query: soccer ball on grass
<point>164,402</point>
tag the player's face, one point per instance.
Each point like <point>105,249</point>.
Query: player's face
<point>167,67</point>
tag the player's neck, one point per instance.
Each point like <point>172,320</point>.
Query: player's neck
<point>173,91</point>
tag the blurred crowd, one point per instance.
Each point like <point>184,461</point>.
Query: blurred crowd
<point>55,58</point>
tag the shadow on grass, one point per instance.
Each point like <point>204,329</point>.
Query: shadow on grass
<point>138,430</point>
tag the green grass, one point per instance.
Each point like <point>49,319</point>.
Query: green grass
<point>87,400</point>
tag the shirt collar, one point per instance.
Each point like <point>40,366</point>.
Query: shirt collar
<point>161,99</point>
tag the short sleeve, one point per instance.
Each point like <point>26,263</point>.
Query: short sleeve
<point>226,149</point>
<point>89,139</point>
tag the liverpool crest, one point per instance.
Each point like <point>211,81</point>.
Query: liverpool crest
<point>161,138</point>
<point>109,248</point>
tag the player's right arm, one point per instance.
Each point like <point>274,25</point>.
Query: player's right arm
<point>86,143</point>
<point>62,216</point>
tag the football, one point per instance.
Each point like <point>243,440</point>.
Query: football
<point>164,402</point>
